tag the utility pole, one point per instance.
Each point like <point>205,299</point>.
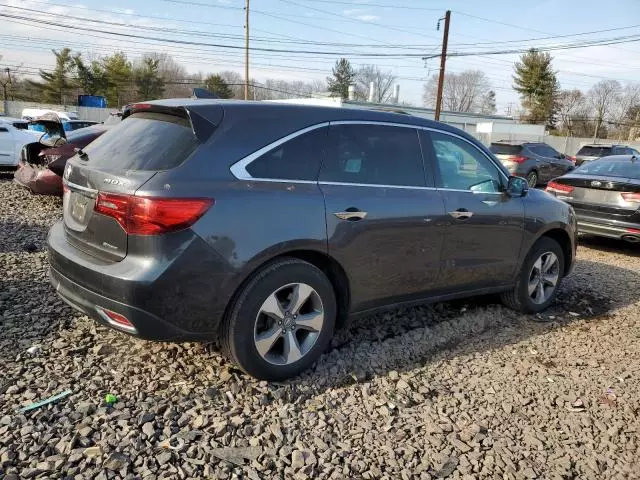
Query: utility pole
<point>246,50</point>
<point>5,95</point>
<point>443,59</point>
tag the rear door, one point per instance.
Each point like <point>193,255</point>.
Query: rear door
<point>544,163</point>
<point>384,217</point>
<point>114,166</point>
<point>485,227</point>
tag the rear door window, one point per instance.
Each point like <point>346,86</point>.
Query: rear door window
<point>144,141</point>
<point>373,155</point>
<point>297,159</point>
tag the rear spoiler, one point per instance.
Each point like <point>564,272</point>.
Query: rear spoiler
<point>201,126</point>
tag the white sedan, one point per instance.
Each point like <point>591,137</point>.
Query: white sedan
<point>13,136</point>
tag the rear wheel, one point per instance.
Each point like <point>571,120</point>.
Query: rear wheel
<point>539,279</point>
<point>532,179</point>
<point>282,320</point>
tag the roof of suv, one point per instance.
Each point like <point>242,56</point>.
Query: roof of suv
<point>314,114</point>
<point>516,142</point>
<point>603,145</point>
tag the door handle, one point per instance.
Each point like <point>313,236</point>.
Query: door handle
<point>352,214</point>
<point>461,214</point>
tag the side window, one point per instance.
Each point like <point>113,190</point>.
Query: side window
<point>297,159</point>
<point>374,154</point>
<point>3,130</point>
<point>461,166</point>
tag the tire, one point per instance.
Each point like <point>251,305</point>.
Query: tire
<point>520,298</point>
<point>266,349</point>
<point>532,179</point>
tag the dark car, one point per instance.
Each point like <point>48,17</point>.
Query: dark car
<point>537,162</point>
<point>588,153</point>
<point>265,225</point>
<point>605,194</point>
<point>52,153</point>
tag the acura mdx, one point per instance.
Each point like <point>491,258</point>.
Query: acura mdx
<point>264,226</point>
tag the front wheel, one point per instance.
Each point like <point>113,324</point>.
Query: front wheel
<point>282,320</point>
<point>539,279</point>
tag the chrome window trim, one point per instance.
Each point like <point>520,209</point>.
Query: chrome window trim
<point>375,185</point>
<point>239,168</point>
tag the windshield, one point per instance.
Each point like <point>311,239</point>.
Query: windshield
<point>144,141</point>
<point>611,168</point>
<point>594,151</point>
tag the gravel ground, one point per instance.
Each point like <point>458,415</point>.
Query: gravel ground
<point>458,390</point>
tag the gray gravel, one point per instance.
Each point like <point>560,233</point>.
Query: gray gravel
<point>465,390</point>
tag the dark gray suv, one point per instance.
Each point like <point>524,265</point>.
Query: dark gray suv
<point>538,162</point>
<point>265,226</point>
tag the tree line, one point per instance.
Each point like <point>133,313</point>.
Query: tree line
<point>609,109</point>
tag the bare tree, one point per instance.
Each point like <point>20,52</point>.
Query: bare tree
<point>235,82</point>
<point>570,104</point>
<point>602,98</point>
<point>467,91</point>
<point>628,98</point>
<point>382,84</point>
<point>174,75</point>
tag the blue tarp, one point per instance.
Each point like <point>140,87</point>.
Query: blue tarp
<point>92,101</point>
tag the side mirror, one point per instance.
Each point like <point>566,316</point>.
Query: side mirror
<point>517,187</point>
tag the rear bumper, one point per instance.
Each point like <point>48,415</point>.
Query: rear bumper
<point>172,294</point>
<point>591,226</point>
<point>146,325</point>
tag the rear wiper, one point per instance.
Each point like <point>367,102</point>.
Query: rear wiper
<point>81,154</point>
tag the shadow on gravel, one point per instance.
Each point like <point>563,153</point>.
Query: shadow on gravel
<point>22,237</point>
<point>406,339</point>
<point>610,245</point>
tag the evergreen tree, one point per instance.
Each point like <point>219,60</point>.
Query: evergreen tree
<point>91,79</point>
<point>343,76</point>
<point>56,86</point>
<point>149,83</point>
<point>118,73</point>
<point>218,86</point>
<point>538,86</point>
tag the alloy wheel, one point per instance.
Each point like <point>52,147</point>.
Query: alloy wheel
<point>288,324</point>
<point>544,277</point>
<point>532,179</point>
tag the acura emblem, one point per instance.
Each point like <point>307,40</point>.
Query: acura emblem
<point>596,183</point>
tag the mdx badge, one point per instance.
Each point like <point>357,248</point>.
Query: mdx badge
<point>113,181</point>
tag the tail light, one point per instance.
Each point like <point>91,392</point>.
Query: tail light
<point>555,187</point>
<point>151,216</point>
<point>517,158</point>
<point>631,197</point>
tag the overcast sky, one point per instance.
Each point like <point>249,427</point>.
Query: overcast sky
<point>312,24</point>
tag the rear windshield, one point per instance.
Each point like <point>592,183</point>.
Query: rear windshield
<point>611,168</point>
<point>144,141</point>
<point>501,149</point>
<point>596,151</point>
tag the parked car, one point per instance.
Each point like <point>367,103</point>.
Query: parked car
<point>264,226</point>
<point>13,136</point>
<point>537,162</point>
<point>42,163</point>
<point>588,153</point>
<point>67,125</point>
<point>33,113</point>
<point>605,194</point>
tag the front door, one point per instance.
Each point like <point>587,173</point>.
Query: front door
<point>485,226</point>
<point>384,218</point>
<point>6,146</point>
